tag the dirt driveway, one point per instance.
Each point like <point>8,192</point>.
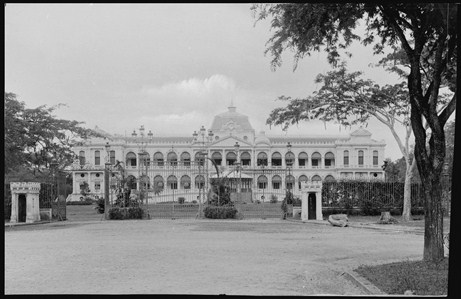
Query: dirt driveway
<point>246,257</point>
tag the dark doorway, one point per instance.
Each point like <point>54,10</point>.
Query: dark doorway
<point>311,206</point>
<point>22,208</point>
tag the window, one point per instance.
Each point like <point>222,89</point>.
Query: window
<point>158,183</point>
<point>231,158</point>
<point>329,160</point>
<point>302,159</point>
<point>262,182</point>
<point>276,159</point>
<point>112,157</point>
<point>245,158</point>
<point>316,178</point>
<point>172,158</point>
<point>316,159</point>
<point>97,187</point>
<point>346,158</point>
<point>217,158</point>
<point>172,182</point>
<point>276,180</point>
<point>375,158</point>
<point>81,157</point>
<point>185,182</point>
<point>199,159</point>
<point>158,159</point>
<point>199,182</point>
<point>262,159</point>
<point>185,158</point>
<point>131,159</point>
<point>360,158</point>
<point>97,158</point>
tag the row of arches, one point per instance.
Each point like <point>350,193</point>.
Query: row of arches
<point>172,182</point>
<point>231,157</point>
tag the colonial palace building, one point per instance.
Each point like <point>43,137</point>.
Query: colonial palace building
<point>259,167</point>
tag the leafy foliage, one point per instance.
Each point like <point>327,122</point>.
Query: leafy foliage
<point>220,192</point>
<point>118,213</point>
<point>220,212</point>
<point>33,137</point>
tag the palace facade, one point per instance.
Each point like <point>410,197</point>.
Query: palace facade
<point>259,167</point>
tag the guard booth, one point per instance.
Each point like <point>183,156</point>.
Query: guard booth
<point>311,204</point>
<point>25,206</point>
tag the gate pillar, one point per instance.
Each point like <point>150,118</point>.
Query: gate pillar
<point>31,190</point>
<point>306,189</point>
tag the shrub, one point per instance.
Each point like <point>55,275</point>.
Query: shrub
<point>181,200</point>
<point>117,213</point>
<point>220,212</point>
<point>194,201</point>
<point>273,199</point>
<point>100,206</point>
<point>257,201</point>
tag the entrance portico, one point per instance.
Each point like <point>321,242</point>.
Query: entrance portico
<point>30,191</point>
<point>311,204</point>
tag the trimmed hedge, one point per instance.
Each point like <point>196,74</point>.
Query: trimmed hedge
<point>220,212</point>
<point>125,213</point>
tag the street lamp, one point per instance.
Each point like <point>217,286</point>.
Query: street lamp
<point>237,167</point>
<point>106,182</point>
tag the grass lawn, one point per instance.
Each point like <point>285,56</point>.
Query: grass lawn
<point>418,276</point>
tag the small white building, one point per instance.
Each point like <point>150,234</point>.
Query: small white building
<point>261,166</point>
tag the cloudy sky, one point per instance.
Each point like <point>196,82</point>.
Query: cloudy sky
<point>169,67</point>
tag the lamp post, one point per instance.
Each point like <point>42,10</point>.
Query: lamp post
<point>237,167</point>
<point>289,165</point>
<point>106,182</point>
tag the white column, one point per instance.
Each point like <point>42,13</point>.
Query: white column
<point>14,208</point>
<point>318,205</point>
<point>304,203</point>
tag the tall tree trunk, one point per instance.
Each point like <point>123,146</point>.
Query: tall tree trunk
<point>433,228</point>
<point>406,213</point>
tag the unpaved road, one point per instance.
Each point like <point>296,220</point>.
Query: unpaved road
<point>246,257</point>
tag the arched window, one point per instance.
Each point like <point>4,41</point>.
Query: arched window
<point>245,157</point>
<point>329,160</point>
<point>276,181</point>
<point>185,182</point>
<point>131,159</point>
<point>97,158</point>
<point>276,159</point>
<point>185,158</point>
<point>158,159</point>
<point>159,184</point>
<point>289,181</point>
<point>375,158</point>
<point>199,159</point>
<point>172,158</point>
<point>231,158</point>
<point>316,178</point>
<point>262,159</point>
<point>199,182</point>
<point>81,157</point>
<point>360,158</point>
<point>316,160</point>
<point>289,159</point>
<point>217,158</point>
<point>262,182</point>
<point>302,178</point>
<point>302,159</point>
<point>172,182</point>
<point>329,178</point>
<point>346,158</point>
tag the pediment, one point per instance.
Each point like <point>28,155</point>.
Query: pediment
<point>230,141</point>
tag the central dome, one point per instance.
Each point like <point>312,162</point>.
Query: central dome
<point>231,121</point>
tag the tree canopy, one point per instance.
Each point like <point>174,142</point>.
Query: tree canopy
<point>34,137</point>
<point>426,33</point>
